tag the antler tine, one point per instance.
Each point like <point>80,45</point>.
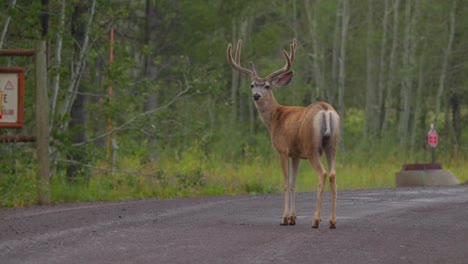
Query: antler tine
<point>292,50</point>
<point>236,63</point>
<point>289,60</point>
<point>238,51</point>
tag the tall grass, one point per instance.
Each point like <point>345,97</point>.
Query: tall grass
<point>198,172</point>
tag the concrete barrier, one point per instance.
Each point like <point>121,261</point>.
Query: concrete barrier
<point>425,175</point>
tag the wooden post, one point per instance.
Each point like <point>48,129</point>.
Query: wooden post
<point>42,123</point>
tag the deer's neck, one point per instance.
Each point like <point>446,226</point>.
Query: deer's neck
<point>267,108</point>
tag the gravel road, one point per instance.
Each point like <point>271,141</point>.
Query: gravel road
<point>404,225</point>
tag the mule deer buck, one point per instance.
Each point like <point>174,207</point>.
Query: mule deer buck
<point>296,132</point>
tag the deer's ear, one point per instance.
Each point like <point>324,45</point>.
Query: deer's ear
<point>283,79</point>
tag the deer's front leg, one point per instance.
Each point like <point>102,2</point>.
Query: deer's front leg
<point>292,191</point>
<point>285,167</point>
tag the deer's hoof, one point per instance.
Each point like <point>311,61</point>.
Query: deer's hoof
<point>284,221</point>
<point>292,220</point>
<point>332,224</point>
<point>315,223</point>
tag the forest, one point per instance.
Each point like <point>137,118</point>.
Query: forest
<point>143,103</point>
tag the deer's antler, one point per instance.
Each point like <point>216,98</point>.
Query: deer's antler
<point>236,63</point>
<point>289,61</point>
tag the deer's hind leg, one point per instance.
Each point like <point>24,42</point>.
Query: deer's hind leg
<point>331,157</point>
<point>322,176</point>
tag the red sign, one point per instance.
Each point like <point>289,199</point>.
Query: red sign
<point>432,138</point>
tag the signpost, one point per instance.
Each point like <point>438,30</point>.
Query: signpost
<point>12,111</point>
<point>433,140</point>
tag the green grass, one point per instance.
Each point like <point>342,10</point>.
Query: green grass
<point>193,173</point>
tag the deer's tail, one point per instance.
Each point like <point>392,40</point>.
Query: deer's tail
<point>329,127</point>
<point>327,116</point>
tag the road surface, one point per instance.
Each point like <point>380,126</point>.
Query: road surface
<point>407,225</point>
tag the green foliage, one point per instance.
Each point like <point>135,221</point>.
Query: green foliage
<point>17,177</point>
<point>210,141</point>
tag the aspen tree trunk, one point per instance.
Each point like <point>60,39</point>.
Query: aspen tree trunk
<point>445,61</point>
<point>244,31</point>
<point>391,71</point>
<point>240,98</point>
<point>235,76</point>
<point>317,56</point>
<point>6,25</point>
<point>409,44</point>
<point>342,69</point>
<point>56,83</point>
<point>335,54</point>
<point>369,129</point>
<point>382,70</point>
<point>244,101</point>
<point>417,105</point>
<point>57,64</point>
<point>150,70</point>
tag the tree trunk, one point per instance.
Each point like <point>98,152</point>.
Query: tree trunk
<point>342,64</point>
<point>57,65</point>
<point>456,116</point>
<point>414,136</point>
<point>391,72</point>
<point>335,54</point>
<point>317,56</point>
<point>150,70</point>
<point>408,61</point>
<point>78,113</point>
<point>369,129</point>
<point>445,61</point>
<point>6,25</point>
<point>77,68</point>
<point>235,76</point>
<point>379,114</point>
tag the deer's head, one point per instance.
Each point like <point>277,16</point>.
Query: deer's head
<point>261,87</point>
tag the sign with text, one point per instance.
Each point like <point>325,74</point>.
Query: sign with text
<point>12,97</point>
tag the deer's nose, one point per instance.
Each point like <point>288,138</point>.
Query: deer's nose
<point>256,97</point>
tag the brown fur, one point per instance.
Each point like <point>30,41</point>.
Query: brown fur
<point>297,133</point>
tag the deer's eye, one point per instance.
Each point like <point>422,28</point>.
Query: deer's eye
<point>267,86</point>
<point>251,86</point>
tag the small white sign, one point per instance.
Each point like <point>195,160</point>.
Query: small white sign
<point>9,88</point>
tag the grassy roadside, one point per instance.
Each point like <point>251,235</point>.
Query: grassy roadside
<point>194,174</point>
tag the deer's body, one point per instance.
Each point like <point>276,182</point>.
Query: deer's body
<point>296,133</point>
